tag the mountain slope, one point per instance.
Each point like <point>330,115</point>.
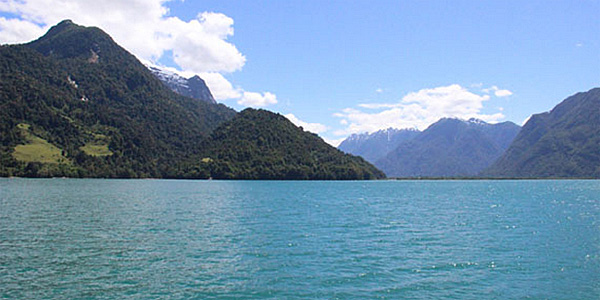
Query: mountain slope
<point>449,148</point>
<point>74,103</point>
<point>77,91</point>
<point>193,87</point>
<point>377,145</point>
<point>258,144</point>
<point>564,142</point>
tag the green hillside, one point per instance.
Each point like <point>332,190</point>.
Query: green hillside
<point>258,144</point>
<point>105,112</point>
<point>74,103</point>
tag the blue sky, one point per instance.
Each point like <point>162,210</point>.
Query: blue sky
<point>353,66</point>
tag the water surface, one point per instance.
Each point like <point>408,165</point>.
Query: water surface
<point>147,239</point>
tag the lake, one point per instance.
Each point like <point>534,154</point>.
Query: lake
<point>170,239</point>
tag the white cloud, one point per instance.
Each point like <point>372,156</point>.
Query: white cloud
<point>417,110</point>
<point>502,93</point>
<point>312,127</point>
<point>379,91</point>
<point>222,90</point>
<point>378,105</point>
<point>333,142</point>
<point>451,100</point>
<point>16,31</point>
<point>220,87</point>
<point>497,91</point>
<point>257,99</point>
<point>201,46</point>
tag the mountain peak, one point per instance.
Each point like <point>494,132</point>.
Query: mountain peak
<point>58,29</point>
<point>376,145</point>
<point>98,109</point>
<point>449,147</point>
<point>64,23</point>
<point>61,27</point>
<point>69,40</point>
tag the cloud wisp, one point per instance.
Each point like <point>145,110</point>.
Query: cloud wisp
<point>416,110</point>
<point>312,127</point>
<point>257,99</point>
<point>144,27</point>
<point>497,91</point>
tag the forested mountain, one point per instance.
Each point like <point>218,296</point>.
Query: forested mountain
<point>564,142</point>
<point>193,87</point>
<point>449,148</point>
<point>377,145</point>
<point>74,103</point>
<point>261,144</point>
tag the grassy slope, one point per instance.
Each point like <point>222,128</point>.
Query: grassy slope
<point>37,149</point>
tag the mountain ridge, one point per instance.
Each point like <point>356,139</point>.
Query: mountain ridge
<point>562,143</point>
<point>78,91</point>
<point>73,103</point>
<point>375,146</point>
<point>450,147</point>
<point>236,150</point>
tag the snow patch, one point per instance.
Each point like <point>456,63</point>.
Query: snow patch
<point>168,76</point>
<point>477,121</point>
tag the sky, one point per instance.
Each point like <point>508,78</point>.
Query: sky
<point>343,67</point>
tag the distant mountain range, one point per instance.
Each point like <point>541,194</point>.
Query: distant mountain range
<point>193,87</point>
<point>449,148</point>
<point>562,143</point>
<point>377,145</point>
<point>74,103</point>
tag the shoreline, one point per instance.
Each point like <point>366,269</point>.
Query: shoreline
<point>365,180</point>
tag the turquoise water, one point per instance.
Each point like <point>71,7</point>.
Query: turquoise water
<point>149,239</point>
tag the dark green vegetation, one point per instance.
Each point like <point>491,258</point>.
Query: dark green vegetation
<point>562,143</point>
<point>450,148</point>
<point>261,144</point>
<point>377,145</point>
<point>77,90</point>
<point>73,103</point>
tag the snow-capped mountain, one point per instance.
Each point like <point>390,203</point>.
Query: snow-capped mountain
<point>193,87</point>
<point>378,144</point>
<point>450,147</point>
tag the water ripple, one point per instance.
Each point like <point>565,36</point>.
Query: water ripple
<point>148,239</point>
